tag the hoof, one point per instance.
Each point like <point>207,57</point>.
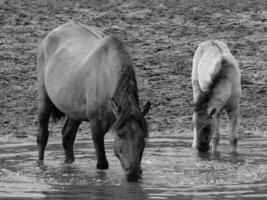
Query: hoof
<point>69,160</point>
<point>40,162</point>
<point>233,143</point>
<point>234,152</point>
<point>214,149</point>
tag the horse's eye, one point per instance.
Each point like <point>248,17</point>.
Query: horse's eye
<point>119,134</point>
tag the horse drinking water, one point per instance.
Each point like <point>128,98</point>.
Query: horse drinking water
<point>216,86</point>
<point>89,77</point>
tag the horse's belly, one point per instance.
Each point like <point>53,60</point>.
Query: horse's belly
<point>78,115</point>
<point>67,91</point>
<point>69,101</point>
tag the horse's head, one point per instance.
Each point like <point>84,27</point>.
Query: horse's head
<point>130,134</point>
<point>205,124</point>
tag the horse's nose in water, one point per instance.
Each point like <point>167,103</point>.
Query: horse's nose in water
<point>133,174</point>
<point>203,148</point>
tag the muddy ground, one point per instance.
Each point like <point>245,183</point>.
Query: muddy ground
<point>161,36</point>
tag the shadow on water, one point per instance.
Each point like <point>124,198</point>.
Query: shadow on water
<point>171,169</point>
<point>99,186</point>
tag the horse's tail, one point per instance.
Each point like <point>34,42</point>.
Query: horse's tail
<point>56,113</point>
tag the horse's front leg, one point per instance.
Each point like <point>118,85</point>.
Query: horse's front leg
<point>98,134</point>
<point>196,90</point>
<point>233,135</point>
<point>196,93</point>
<point>216,136</point>
<point>69,131</point>
<point>194,144</point>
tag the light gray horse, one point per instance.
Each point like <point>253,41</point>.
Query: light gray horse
<point>216,86</point>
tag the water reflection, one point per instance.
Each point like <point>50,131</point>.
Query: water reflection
<point>171,169</point>
<point>129,191</point>
<point>70,182</point>
<point>232,157</point>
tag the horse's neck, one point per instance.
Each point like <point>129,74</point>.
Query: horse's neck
<point>126,100</point>
<point>126,93</point>
<point>221,95</point>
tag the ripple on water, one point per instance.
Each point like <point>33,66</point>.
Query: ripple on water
<point>170,169</point>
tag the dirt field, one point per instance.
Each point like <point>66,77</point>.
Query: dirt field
<point>161,36</point>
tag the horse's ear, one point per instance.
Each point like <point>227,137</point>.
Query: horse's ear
<point>146,108</point>
<point>115,108</point>
<point>212,111</point>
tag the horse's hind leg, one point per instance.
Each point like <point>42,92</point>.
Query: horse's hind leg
<point>98,134</point>
<point>43,119</point>
<point>69,131</point>
<point>233,136</point>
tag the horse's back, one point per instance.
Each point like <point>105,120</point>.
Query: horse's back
<point>211,58</point>
<point>71,36</point>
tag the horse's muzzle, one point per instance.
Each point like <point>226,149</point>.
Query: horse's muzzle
<point>203,148</point>
<point>133,174</point>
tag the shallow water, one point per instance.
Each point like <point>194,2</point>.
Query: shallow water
<point>171,169</point>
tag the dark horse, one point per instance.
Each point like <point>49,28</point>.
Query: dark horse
<point>89,77</point>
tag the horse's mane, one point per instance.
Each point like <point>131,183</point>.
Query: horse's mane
<point>222,75</point>
<point>126,97</point>
<point>217,46</point>
<point>90,29</point>
<point>127,91</point>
